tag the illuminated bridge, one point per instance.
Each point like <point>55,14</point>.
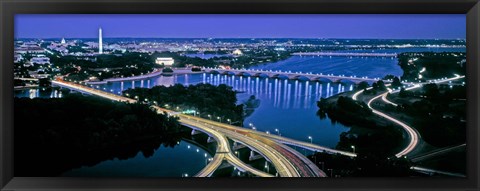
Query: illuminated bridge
<point>346,54</point>
<point>292,75</point>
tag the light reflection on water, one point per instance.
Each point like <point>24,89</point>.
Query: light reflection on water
<point>38,93</point>
<point>287,105</point>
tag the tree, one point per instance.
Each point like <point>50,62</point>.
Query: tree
<point>362,85</point>
<point>167,70</point>
<point>431,90</point>
<point>402,93</point>
<point>44,82</point>
<point>396,82</point>
<point>381,85</point>
<point>389,77</point>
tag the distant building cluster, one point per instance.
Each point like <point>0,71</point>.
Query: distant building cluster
<point>40,59</point>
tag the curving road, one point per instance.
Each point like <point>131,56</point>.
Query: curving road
<point>412,133</point>
<point>286,161</point>
<point>223,148</point>
<point>223,151</point>
<point>295,165</point>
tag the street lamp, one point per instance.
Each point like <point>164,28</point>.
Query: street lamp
<point>353,147</point>
<point>209,116</point>
<point>229,121</point>
<point>311,139</point>
<point>220,119</point>
<point>278,132</point>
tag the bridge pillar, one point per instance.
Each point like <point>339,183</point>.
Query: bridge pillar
<point>210,140</point>
<point>237,145</point>
<point>254,156</point>
<point>195,132</point>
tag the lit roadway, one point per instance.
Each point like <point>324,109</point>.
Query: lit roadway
<point>223,148</point>
<point>287,161</point>
<point>305,145</point>
<point>412,133</point>
<point>223,151</point>
<point>85,89</point>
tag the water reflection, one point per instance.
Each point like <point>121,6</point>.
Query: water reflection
<point>39,93</point>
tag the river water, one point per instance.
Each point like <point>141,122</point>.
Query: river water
<point>287,107</point>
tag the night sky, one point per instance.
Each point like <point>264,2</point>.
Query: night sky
<point>243,26</point>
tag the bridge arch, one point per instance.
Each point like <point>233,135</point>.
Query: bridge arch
<point>228,73</point>
<point>322,80</point>
<point>300,77</point>
<point>261,75</point>
<point>214,72</point>
<point>346,81</point>
<point>246,74</point>
<point>279,76</point>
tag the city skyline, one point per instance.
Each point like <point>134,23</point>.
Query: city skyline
<point>242,26</point>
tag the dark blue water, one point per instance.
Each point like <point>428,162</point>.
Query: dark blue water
<point>184,158</point>
<point>372,67</point>
<point>286,105</point>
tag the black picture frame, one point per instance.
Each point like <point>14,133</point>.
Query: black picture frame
<point>8,8</point>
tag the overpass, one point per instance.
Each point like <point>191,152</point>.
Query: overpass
<point>292,75</point>
<point>223,151</point>
<point>295,165</point>
<point>286,161</point>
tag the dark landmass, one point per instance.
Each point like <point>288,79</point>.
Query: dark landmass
<point>250,105</point>
<point>216,101</point>
<point>362,166</point>
<point>369,137</point>
<point>437,65</point>
<point>438,112</point>
<point>56,135</point>
<point>103,66</point>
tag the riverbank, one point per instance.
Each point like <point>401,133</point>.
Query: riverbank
<point>370,135</point>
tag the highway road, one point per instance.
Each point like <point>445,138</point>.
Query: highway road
<point>437,152</point>
<point>306,145</point>
<point>223,151</point>
<point>286,162</point>
<point>293,165</point>
<point>433,171</point>
<point>412,133</point>
<point>223,148</point>
<point>93,91</point>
